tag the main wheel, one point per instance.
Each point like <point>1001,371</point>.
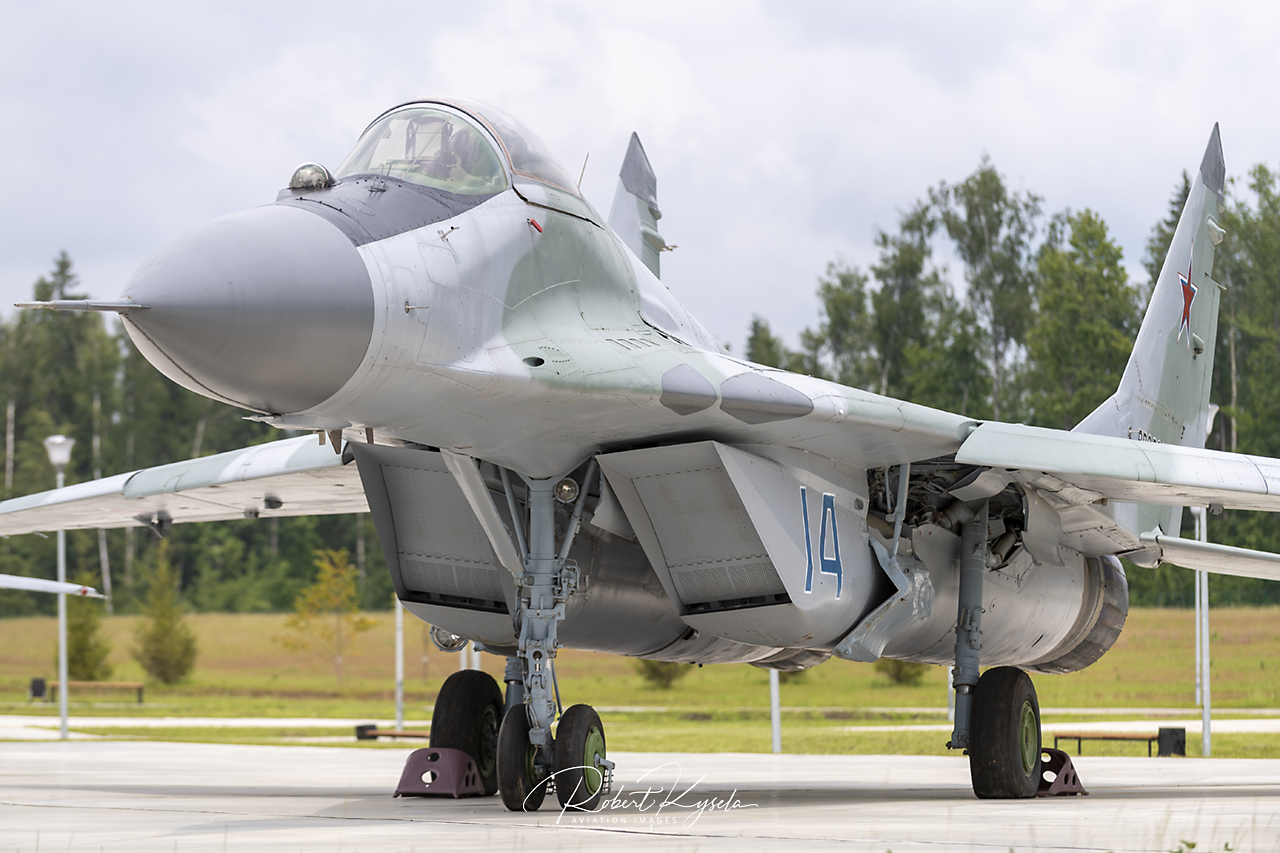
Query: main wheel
<point>519,781</point>
<point>467,714</point>
<point>579,747</point>
<point>1004,756</point>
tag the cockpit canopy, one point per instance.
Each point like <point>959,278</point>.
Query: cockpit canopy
<point>529,156</point>
<point>426,145</point>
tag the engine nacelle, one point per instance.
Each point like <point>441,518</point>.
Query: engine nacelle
<point>1040,618</point>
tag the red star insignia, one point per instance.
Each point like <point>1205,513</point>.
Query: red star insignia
<point>1189,292</point>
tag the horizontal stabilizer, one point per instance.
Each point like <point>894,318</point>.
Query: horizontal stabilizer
<point>42,585</point>
<point>1211,557</point>
<point>296,476</point>
<point>1122,469</point>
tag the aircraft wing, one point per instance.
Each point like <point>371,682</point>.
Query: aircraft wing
<point>1121,469</point>
<point>295,476</point>
<point>1075,470</point>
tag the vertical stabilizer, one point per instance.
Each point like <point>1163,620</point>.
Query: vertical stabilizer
<point>1164,393</point>
<point>635,214</point>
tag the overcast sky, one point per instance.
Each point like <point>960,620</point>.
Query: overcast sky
<point>782,135</point>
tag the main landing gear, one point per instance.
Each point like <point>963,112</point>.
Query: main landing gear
<point>997,714</point>
<point>511,741</point>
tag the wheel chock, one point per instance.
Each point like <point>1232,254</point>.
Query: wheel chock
<point>440,772</point>
<point>1066,782</point>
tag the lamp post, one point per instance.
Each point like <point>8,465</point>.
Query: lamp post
<point>59,449</point>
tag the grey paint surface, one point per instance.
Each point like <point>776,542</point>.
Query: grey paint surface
<point>137,796</point>
<point>686,391</point>
<point>637,175</point>
<point>270,309</point>
<point>302,476</point>
<point>1123,469</point>
<point>1211,557</point>
<point>757,399</point>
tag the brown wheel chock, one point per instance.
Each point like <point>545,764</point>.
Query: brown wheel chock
<point>439,772</point>
<point>1066,782</point>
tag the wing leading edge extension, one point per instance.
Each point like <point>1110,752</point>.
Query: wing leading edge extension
<point>295,476</point>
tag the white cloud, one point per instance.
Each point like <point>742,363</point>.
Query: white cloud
<point>782,135</point>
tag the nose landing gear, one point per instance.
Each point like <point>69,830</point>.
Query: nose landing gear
<point>530,760</point>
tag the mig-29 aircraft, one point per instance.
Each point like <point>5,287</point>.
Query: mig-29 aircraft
<point>557,454</point>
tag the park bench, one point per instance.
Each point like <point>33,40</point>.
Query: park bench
<point>1172,741</point>
<point>372,732</point>
<point>91,685</point>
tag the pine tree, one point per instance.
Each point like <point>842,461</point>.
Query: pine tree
<point>1161,237</point>
<point>763,347</point>
<point>163,642</point>
<point>87,649</point>
<point>326,614</point>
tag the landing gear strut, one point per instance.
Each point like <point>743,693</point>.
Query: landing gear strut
<point>527,752</point>
<point>997,714</point>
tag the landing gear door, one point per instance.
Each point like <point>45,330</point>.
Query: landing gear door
<point>441,562</point>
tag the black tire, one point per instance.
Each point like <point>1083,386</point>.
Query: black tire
<point>467,715</point>
<point>518,782</point>
<point>1004,755</point>
<point>579,742</point>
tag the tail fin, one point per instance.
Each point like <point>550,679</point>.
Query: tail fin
<point>635,214</point>
<point>1164,392</point>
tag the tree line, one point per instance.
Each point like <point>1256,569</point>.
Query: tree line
<point>1044,326</point>
<point>77,373</point>
<point>1040,335</point>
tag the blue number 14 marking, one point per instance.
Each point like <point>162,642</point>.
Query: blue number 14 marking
<point>826,565</point>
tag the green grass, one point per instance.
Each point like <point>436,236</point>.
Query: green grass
<point>242,671</point>
<point>742,731</point>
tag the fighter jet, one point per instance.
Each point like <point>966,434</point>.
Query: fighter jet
<point>558,455</point>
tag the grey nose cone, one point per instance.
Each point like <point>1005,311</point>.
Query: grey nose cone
<point>270,309</point>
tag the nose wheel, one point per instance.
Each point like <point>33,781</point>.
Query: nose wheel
<point>581,773</point>
<point>521,781</point>
<point>1004,755</point>
<point>581,767</point>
